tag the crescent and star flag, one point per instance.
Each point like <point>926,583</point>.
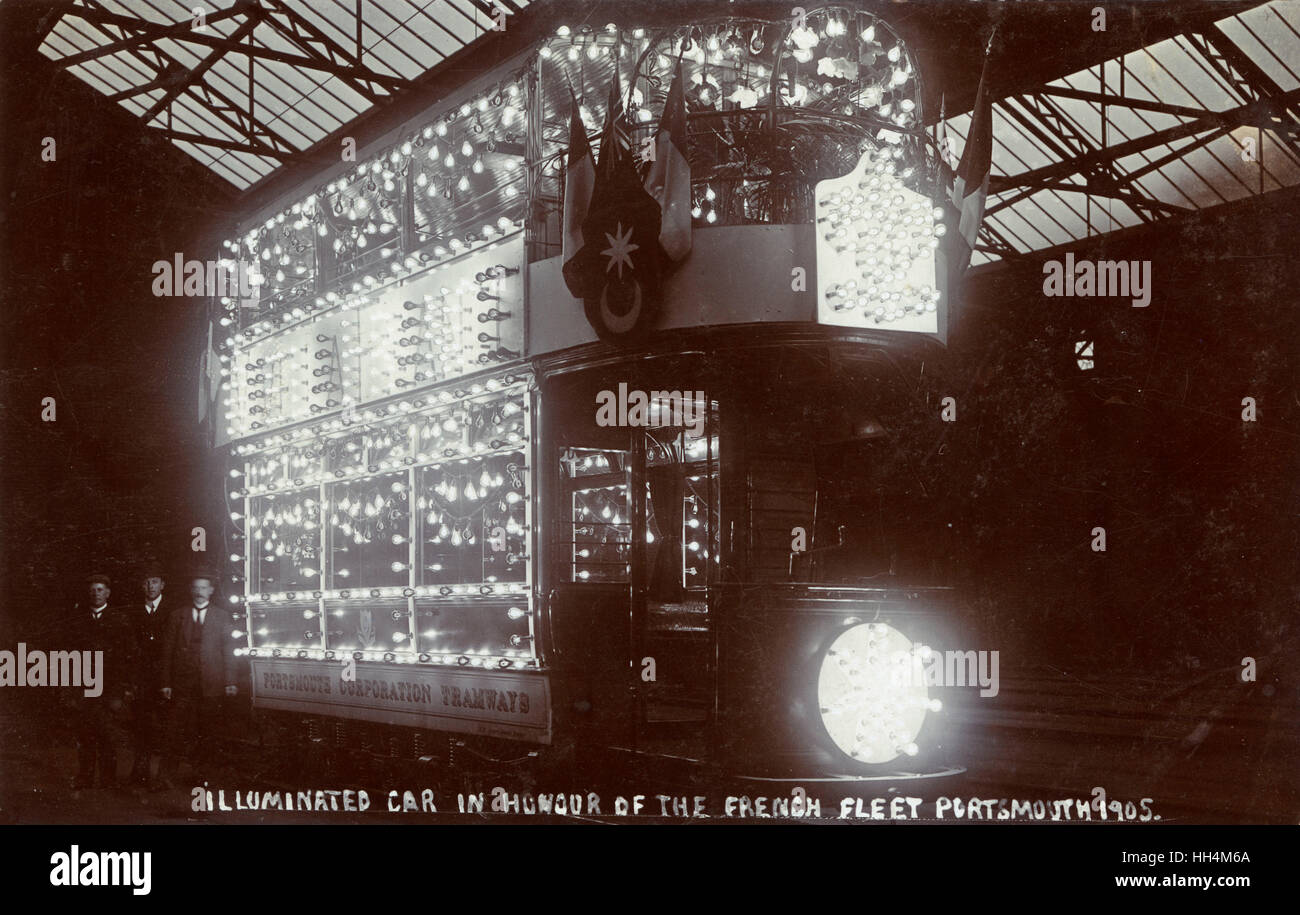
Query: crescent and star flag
<point>579,179</point>
<point>669,178</point>
<point>620,262</point>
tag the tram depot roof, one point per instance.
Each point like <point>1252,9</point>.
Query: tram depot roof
<point>1200,77</point>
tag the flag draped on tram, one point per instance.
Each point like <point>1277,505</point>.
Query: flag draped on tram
<point>619,266</point>
<point>669,178</point>
<point>579,179</point>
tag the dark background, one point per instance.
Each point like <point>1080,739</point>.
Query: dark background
<point>123,474</point>
<point>1199,507</point>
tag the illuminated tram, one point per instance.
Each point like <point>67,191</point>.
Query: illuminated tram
<point>466,518</point>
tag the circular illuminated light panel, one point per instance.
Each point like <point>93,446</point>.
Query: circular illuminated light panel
<point>871,694</point>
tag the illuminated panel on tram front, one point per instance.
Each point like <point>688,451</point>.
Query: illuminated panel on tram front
<point>876,249</point>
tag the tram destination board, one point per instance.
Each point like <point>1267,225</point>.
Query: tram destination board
<point>696,413</point>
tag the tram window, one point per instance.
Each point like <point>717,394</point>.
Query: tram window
<point>368,532</point>
<point>892,530</point>
<point>286,534</point>
<point>345,454</point>
<point>666,443</point>
<point>472,515</point>
<point>682,523</point>
<point>599,524</point>
<point>682,534</point>
<point>861,473</point>
<point>393,444</point>
<point>699,527</point>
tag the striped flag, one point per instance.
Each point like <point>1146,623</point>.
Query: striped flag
<point>941,141</point>
<point>669,178</point>
<point>209,378</point>
<point>579,180</point>
<point>970,189</point>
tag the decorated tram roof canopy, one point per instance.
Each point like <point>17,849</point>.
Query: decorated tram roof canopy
<point>777,105</point>
<point>1101,118</point>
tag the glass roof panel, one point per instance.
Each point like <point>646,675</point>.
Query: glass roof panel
<point>300,104</point>
<point>1270,36</point>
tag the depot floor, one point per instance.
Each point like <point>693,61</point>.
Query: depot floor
<point>1202,747</point>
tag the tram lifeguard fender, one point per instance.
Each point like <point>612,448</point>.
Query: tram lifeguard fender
<point>733,275</point>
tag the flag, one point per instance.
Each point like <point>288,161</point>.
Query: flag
<point>669,179</point>
<point>620,263</point>
<point>964,210</point>
<point>579,178</point>
<point>970,188</point>
<point>209,377</point>
<point>941,140</point>
<point>613,137</point>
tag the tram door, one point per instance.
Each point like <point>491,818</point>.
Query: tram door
<point>634,553</point>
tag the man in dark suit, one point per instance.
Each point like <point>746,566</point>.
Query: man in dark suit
<point>149,626</point>
<point>100,720</point>
<point>198,671</point>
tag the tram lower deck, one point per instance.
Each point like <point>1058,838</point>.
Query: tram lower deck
<point>657,552</point>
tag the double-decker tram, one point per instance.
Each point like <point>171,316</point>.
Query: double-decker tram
<point>480,511</point>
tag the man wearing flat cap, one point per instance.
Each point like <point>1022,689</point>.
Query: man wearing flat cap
<point>149,626</point>
<point>198,671</point>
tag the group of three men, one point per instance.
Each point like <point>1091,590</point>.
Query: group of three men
<point>167,666</point>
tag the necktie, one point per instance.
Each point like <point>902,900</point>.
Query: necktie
<point>197,618</point>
